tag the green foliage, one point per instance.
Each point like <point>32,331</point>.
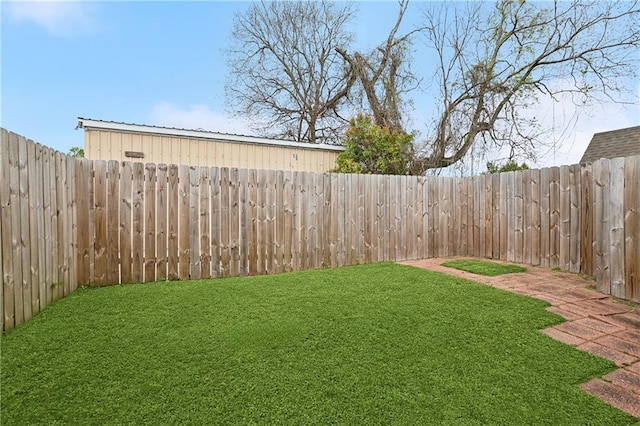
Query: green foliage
<point>371,149</point>
<point>509,166</point>
<point>371,344</point>
<point>76,152</point>
<point>482,267</point>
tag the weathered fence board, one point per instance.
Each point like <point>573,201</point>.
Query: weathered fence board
<point>214,177</point>
<point>575,199</point>
<point>126,186</point>
<point>243,247</point>
<point>432,206</point>
<point>564,225</point>
<point>601,225</point>
<point>55,263</point>
<point>194,224</point>
<point>25,230</point>
<point>16,228</point>
<point>488,216</point>
<point>72,212</point>
<point>511,217</point>
<point>616,226</point>
<point>287,211</point>
<point>279,223</point>
<point>234,222</point>
<point>92,211</point>
<point>554,217</point>
<point>173,197</point>
<point>224,222</point>
<point>457,202</point>
<point>6,233</point>
<point>161,222</point>
<point>288,205</point>
<point>631,227</point>
<point>504,225</point>
<point>294,218</point>
<point>351,215</point>
<point>183,222</point>
<point>545,215</point>
<point>478,217</point>
<point>113,224</point>
<point>34,240</point>
<point>586,212</point>
<point>137,224</point>
<point>535,216</point>
<point>519,216</point>
<point>150,232</point>
<point>47,246</point>
<point>101,247</point>
<point>408,231</point>
<point>252,222</point>
<point>269,222</point>
<point>526,216</point>
<point>64,224</point>
<point>334,220</point>
<point>41,237</point>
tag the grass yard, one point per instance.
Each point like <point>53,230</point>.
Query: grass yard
<point>374,344</point>
<point>483,267</point>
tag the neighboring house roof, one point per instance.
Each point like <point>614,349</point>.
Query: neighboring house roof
<point>88,123</point>
<point>612,144</point>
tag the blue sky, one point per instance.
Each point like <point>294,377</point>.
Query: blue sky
<point>162,63</point>
<point>124,61</point>
<point>143,62</point>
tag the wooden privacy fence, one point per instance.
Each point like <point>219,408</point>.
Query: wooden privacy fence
<point>37,227</point>
<point>67,222</point>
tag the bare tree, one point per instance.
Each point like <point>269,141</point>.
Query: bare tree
<point>384,75</point>
<point>285,72</point>
<point>494,64</point>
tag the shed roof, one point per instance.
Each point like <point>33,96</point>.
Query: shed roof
<point>612,144</point>
<point>88,123</point>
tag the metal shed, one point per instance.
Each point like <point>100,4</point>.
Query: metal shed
<point>109,140</point>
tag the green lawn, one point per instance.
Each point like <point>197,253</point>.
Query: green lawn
<point>376,344</point>
<point>483,267</point>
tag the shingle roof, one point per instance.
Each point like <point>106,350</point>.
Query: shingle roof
<point>612,144</point>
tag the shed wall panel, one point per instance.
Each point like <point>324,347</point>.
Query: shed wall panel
<point>111,145</point>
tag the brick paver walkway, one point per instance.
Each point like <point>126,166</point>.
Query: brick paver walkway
<point>596,323</point>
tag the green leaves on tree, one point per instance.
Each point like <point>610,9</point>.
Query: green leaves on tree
<point>509,166</point>
<point>76,152</point>
<point>372,149</point>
